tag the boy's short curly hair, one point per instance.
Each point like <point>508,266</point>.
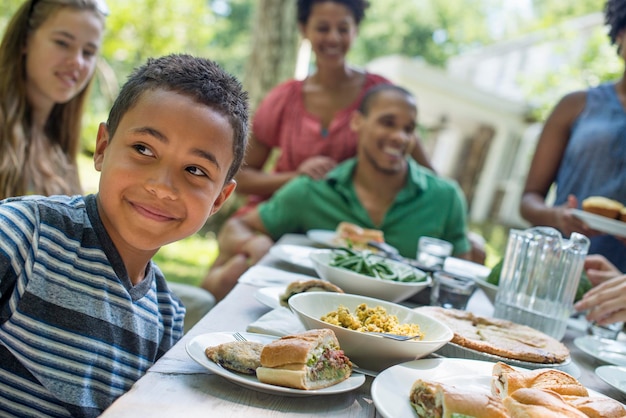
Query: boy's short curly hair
<point>357,7</point>
<point>615,17</point>
<point>198,78</point>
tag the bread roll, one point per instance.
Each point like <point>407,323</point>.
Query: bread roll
<point>507,380</point>
<point>531,403</point>
<point>597,407</point>
<point>603,206</point>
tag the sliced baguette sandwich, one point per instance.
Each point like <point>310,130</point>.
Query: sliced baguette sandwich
<point>309,360</point>
<point>430,399</point>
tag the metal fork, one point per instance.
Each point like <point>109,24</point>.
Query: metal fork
<point>239,337</point>
<point>395,336</point>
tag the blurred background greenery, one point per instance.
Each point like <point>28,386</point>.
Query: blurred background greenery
<point>224,30</point>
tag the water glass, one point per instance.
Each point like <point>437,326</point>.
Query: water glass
<point>450,291</point>
<point>608,331</point>
<point>432,252</point>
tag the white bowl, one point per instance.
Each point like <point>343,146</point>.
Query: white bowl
<point>371,351</point>
<point>360,284</point>
<point>489,288</point>
<point>475,271</point>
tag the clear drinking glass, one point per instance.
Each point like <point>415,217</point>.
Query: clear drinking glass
<point>609,331</point>
<point>450,291</point>
<point>432,252</point>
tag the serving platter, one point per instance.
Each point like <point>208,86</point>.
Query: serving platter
<point>601,223</point>
<point>458,351</point>
<point>196,346</point>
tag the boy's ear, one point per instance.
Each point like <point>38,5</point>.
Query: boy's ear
<point>227,190</point>
<point>102,141</point>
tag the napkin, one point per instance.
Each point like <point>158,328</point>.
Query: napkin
<point>465,268</point>
<point>280,321</point>
<point>264,276</point>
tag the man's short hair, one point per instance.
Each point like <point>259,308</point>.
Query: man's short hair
<point>373,92</point>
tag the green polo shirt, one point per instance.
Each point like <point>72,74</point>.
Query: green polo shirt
<point>427,205</point>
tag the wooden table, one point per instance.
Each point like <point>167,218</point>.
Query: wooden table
<point>176,386</point>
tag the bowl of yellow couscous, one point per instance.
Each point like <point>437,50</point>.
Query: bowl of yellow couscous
<point>357,320</point>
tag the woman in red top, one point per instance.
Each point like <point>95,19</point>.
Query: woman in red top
<point>309,120</point>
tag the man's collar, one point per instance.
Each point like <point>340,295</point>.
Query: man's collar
<point>417,175</point>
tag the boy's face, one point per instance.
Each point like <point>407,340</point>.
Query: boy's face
<point>163,173</point>
<point>387,133</point>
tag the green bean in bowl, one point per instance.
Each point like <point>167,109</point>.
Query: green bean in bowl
<point>367,263</point>
<point>368,274</point>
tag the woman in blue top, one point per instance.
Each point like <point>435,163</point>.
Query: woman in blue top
<point>582,149</point>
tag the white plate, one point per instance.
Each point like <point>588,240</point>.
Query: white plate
<point>270,296</point>
<point>614,376</point>
<point>390,389</point>
<point>323,237</point>
<point>293,254</point>
<point>601,223</point>
<point>608,351</point>
<point>195,348</point>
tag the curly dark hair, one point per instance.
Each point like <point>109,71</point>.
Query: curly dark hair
<point>615,17</point>
<point>357,7</point>
<point>198,78</point>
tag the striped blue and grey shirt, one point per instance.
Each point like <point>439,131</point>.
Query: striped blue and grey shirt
<point>74,332</point>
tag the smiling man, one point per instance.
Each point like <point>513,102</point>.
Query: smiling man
<point>379,189</point>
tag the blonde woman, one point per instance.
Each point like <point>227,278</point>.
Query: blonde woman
<point>47,61</point>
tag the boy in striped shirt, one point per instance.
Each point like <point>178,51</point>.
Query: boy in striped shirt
<point>83,310</point>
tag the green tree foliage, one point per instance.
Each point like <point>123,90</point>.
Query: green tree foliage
<point>431,29</point>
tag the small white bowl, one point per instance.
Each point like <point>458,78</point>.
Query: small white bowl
<point>360,284</point>
<point>371,351</point>
<point>490,289</point>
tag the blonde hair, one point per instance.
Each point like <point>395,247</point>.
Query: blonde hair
<point>45,165</point>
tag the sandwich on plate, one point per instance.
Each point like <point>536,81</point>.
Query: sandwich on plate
<point>313,285</point>
<point>309,360</point>
<point>437,400</point>
<point>352,235</point>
